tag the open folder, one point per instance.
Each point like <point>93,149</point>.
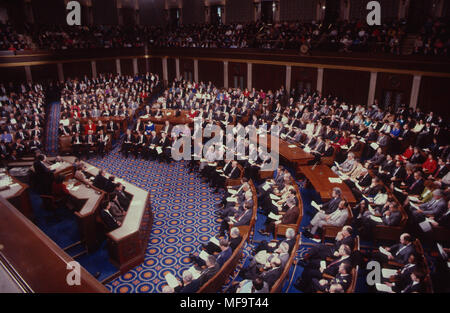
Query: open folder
<point>171,280</point>
<point>315,205</point>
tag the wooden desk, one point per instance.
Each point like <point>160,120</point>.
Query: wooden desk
<point>39,263</point>
<point>128,243</point>
<point>295,155</point>
<point>90,199</point>
<point>319,179</point>
<point>17,194</point>
<point>173,120</point>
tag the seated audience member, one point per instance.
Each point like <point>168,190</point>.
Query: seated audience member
<point>317,269</point>
<point>321,219</point>
<point>108,218</point>
<point>290,217</point>
<point>257,285</point>
<point>189,284</point>
<point>273,245</point>
<point>235,239</point>
<point>79,174</point>
<point>123,198</point>
<point>332,205</point>
<point>100,180</point>
<point>347,166</point>
<point>224,254</point>
<point>239,219</point>
<point>398,253</point>
<point>343,279</point>
<point>435,208</point>
<point>212,267</point>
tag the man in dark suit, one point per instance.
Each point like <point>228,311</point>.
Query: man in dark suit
<point>271,275</point>
<point>123,198</point>
<point>100,180</point>
<point>44,175</point>
<point>211,269</point>
<point>317,269</point>
<point>239,220</point>
<point>332,205</point>
<point>398,253</point>
<point>189,284</point>
<point>323,251</point>
<point>110,221</point>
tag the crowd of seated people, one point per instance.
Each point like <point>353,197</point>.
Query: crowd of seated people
<point>12,40</point>
<point>91,109</point>
<point>22,114</point>
<point>433,39</point>
<point>341,36</point>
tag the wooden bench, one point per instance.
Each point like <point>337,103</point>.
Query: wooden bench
<point>280,229</point>
<point>278,285</point>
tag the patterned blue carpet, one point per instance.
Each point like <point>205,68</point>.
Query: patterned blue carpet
<point>183,218</point>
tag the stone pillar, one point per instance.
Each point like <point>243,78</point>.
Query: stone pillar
<point>225,74</point>
<point>319,79</point>
<point>288,79</point>
<point>165,72</point>
<point>372,88</point>
<point>94,69</point>
<point>177,67</point>
<point>249,76</point>
<point>415,91</point>
<point>196,70</point>
<point>135,66</point>
<point>60,72</point>
<point>28,73</point>
<point>118,69</point>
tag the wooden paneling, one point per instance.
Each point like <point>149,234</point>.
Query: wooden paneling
<point>237,69</point>
<point>302,77</point>
<point>350,86</point>
<point>155,66</point>
<point>44,73</point>
<point>49,12</point>
<point>400,84</point>
<point>266,76</point>
<point>434,95</point>
<point>211,71</point>
<point>106,66</point>
<point>126,66</point>
<point>77,69</point>
<point>186,65</point>
<point>142,66</point>
<point>12,74</point>
<point>171,69</point>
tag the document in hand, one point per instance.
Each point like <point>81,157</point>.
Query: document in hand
<point>398,189</point>
<point>315,205</point>
<point>376,219</point>
<point>374,145</point>
<point>292,146</point>
<point>274,197</point>
<point>413,205</point>
<point>413,198</point>
<point>383,288</point>
<point>171,280</point>
<point>195,273</point>
<point>307,149</point>
<point>214,241</point>
<point>323,264</point>
<point>266,187</point>
<point>274,216</point>
<point>232,199</point>
<point>426,226</point>
<point>203,255</point>
<point>232,191</point>
<point>159,150</point>
<point>387,272</point>
<point>384,251</point>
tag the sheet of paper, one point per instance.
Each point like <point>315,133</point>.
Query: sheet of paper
<point>374,145</point>
<point>376,219</point>
<point>323,264</point>
<point>413,198</point>
<point>214,240</point>
<point>274,216</point>
<point>274,197</point>
<point>387,272</point>
<point>383,288</point>
<point>195,273</point>
<point>232,191</point>
<point>426,226</point>
<point>384,251</point>
<point>334,180</point>
<point>232,199</point>
<point>398,189</point>
<point>292,146</point>
<point>266,187</point>
<point>159,150</point>
<point>171,280</point>
<point>203,255</point>
<point>315,205</point>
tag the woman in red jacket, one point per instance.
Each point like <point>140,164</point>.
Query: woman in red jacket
<point>90,128</point>
<point>430,165</point>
